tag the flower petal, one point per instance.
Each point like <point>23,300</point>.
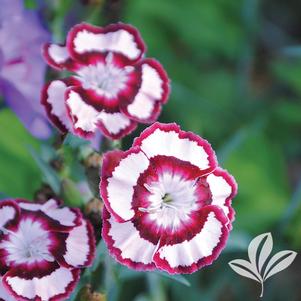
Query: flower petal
<point>83,115</point>
<point>115,125</point>
<point>53,100</point>
<point>107,81</point>
<point>126,245</point>
<point>120,172</point>
<point>38,232</point>
<point>4,294</point>
<point>9,212</point>
<point>87,118</point>
<point>179,221</point>
<point>198,251</point>
<point>69,217</point>
<point>153,92</point>
<point>169,140</point>
<point>80,246</point>
<point>57,56</point>
<point>58,285</point>
<point>223,189</point>
<point>85,39</point>
<point>66,216</point>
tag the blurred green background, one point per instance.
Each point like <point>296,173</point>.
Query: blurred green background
<point>235,69</point>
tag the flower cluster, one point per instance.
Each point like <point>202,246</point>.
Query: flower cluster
<point>167,201</point>
<point>112,87</point>
<point>42,249</point>
<point>168,204</point>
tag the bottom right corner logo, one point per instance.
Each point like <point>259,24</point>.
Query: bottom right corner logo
<point>261,265</point>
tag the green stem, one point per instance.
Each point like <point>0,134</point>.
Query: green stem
<point>156,287</point>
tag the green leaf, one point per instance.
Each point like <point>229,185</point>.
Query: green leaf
<point>288,72</point>
<point>291,51</point>
<point>71,194</point>
<point>238,241</point>
<point>178,278</point>
<point>288,112</point>
<point>74,141</point>
<point>19,175</point>
<point>3,196</point>
<point>259,169</point>
<point>48,172</point>
<point>30,4</point>
<point>101,251</point>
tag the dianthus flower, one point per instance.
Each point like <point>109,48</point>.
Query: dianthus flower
<point>42,249</point>
<point>112,87</point>
<point>168,204</point>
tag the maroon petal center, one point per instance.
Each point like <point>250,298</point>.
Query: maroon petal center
<point>168,200</point>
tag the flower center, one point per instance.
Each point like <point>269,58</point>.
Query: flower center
<point>104,78</point>
<point>28,244</point>
<point>170,196</point>
<point>167,198</point>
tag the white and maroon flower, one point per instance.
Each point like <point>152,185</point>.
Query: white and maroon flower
<point>112,87</point>
<point>168,204</point>
<point>42,249</point>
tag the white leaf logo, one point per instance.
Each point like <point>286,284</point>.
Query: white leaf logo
<point>259,268</point>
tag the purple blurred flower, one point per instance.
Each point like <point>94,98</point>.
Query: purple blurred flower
<point>22,68</point>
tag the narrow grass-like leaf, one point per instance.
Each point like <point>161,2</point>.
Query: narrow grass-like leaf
<point>179,278</point>
<point>74,141</point>
<point>71,194</point>
<point>49,174</point>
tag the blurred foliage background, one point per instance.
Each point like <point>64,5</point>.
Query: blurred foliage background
<point>235,68</point>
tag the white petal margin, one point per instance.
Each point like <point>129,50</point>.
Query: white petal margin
<point>51,287</point>
<point>56,99</point>
<point>114,123</point>
<point>4,295</point>
<point>168,140</point>
<point>7,212</point>
<point>78,249</point>
<point>57,53</point>
<point>85,116</point>
<point>126,245</point>
<point>65,215</point>
<point>151,90</point>
<point>50,204</point>
<point>88,119</point>
<point>220,191</point>
<point>120,186</point>
<point>121,41</point>
<point>186,256</point>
